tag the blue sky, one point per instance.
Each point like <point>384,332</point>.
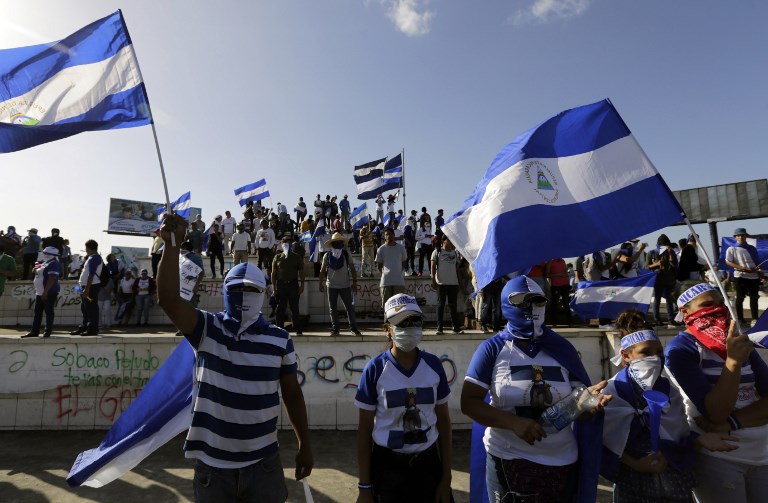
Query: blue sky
<point>299,91</point>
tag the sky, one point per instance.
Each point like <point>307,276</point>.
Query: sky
<point>300,91</point>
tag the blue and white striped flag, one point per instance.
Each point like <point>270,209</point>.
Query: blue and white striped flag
<point>606,299</point>
<point>86,82</point>
<point>161,411</point>
<point>759,333</point>
<point>305,237</point>
<point>398,218</point>
<point>255,191</point>
<point>182,207</point>
<point>578,182</point>
<point>359,217</point>
<point>314,250</point>
<point>376,177</point>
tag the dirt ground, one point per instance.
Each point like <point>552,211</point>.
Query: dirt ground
<point>34,465</point>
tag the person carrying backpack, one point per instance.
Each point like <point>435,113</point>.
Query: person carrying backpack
<point>663,261</point>
<point>338,276</point>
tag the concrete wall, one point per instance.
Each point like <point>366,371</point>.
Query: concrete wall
<point>65,383</point>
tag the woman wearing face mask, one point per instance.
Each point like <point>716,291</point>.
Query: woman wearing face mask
<point>527,368</point>
<point>640,474</point>
<point>404,432</point>
<point>724,382</point>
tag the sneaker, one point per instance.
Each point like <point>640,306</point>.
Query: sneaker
<point>78,331</point>
<point>47,334</point>
<point>334,331</point>
<point>485,329</point>
<point>357,332</point>
<point>299,332</point>
<point>458,331</point>
<point>31,334</point>
<point>439,332</point>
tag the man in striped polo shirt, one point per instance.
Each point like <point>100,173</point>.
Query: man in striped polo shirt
<point>242,361</point>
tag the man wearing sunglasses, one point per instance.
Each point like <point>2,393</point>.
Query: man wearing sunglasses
<point>241,363</point>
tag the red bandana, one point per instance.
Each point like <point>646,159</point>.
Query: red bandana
<point>710,327</point>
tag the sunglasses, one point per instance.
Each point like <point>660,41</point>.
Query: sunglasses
<point>411,321</point>
<point>528,304</point>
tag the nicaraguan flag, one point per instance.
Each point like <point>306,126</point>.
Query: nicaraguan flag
<point>161,411</point>
<point>606,299</point>
<point>314,250</point>
<point>359,217</point>
<point>761,246</point>
<point>86,82</point>
<point>386,219</point>
<point>182,207</point>
<point>255,191</point>
<point>579,182</point>
<point>759,333</point>
<point>306,237</point>
<point>376,177</point>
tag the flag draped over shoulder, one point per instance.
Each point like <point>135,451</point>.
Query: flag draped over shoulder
<point>576,183</point>
<point>255,191</point>
<point>359,217</point>
<point>161,411</point>
<point>182,207</point>
<point>376,177</point>
<point>606,299</point>
<point>88,81</point>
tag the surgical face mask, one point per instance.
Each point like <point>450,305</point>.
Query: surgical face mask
<point>645,371</point>
<point>406,339</point>
<point>286,248</point>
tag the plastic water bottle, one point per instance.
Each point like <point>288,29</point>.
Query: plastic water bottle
<point>564,412</point>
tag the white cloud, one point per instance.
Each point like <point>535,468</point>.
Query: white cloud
<point>549,10</point>
<point>410,16</point>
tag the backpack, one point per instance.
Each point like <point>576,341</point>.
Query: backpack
<point>104,275</point>
<point>591,268</point>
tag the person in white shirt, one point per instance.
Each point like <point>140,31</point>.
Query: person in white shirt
<point>241,245</point>
<point>265,241</point>
<point>228,229</point>
<point>746,273</point>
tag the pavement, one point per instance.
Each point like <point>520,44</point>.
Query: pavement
<point>35,464</point>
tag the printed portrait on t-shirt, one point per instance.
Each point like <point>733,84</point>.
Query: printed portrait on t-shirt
<point>540,394</point>
<point>409,428</point>
<point>535,387</point>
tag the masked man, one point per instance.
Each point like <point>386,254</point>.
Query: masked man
<point>46,282</point>
<point>242,361</point>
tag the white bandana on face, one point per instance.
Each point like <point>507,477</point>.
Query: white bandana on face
<point>286,248</point>
<point>336,253</point>
<point>645,371</point>
<point>406,339</point>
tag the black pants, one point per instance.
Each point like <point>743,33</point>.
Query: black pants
<point>405,478</point>
<point>46,306</point>
<point>155,261</point>
<point>217,255</point>
<point>561,296</point>
<point>410,251</point>
<point>746,287</point>
<point>265,258</point>
<point>29,262</point>
<point>288,294</point>
<point>490,310</point>
<point>424,251</point>
<point>447,293</point>
<point>90,310</point>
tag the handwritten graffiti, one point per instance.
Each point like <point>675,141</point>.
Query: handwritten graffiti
<point>213,289</point>
<point>21,360</point>
<point>113,400</point>
<point>26,294</point>
<point>450,369</point>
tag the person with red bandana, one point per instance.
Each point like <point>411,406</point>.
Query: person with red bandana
<point>724,383</point>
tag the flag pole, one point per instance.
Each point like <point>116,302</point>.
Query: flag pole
<point>716,276</point>
<point>402,157</point>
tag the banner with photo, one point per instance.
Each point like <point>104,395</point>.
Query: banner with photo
<point>132,217</point>
<point>131,257</point>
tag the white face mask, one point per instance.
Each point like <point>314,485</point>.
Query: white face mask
<point>645,371</point>
<point>47,258</point>
<point>538,313</point>
<point>336,253</point>
<point>286,248</point>
<point>406,339</point>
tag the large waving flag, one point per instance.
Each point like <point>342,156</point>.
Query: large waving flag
<point>161,411</point>
<point>86,82</point>
<point>376,177</point>
<point>314,254</point>
<point>606,299</point>
<point>578,182</point>
<point>182,207</point>
<point>359,217</point>
<point>255,191</point>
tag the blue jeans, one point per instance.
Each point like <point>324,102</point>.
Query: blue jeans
<point>665,292</point>
<point>261,482</point>
<point>333,304</point>
<point>142,306</point>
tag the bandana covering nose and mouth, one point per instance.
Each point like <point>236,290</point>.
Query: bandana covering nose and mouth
<point>525,319</point>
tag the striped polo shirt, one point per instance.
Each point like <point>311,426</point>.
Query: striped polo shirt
<point>695,370</point>
<point>236,402</point>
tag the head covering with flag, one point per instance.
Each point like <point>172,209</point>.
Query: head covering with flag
<point>376,177</point>
<point>182,207</point>
<point>255,191</point>
<point>87,81</point>
<point>359,217</point>
<point>575,183</point>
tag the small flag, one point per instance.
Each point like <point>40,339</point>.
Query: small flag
<point>306,237</point>
<point>578,181</point>
<point>314,250</point>
<point>161,411</point>
<point>359,217</point>
<point>398,218</point>
<point>376,177</point>
<point>255,191</point>
<point>182,207</point>
<point>606,299</point>
<point>88,81</point>
<point>759,333</point>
